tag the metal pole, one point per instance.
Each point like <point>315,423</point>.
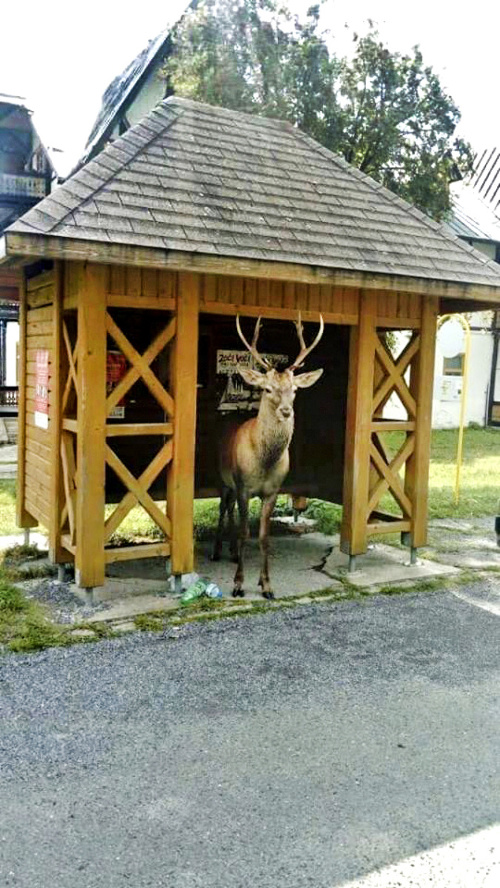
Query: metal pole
<point>463,398</point>
<point>463,405</point>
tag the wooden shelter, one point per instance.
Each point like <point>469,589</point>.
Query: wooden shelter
<point>133,272</point>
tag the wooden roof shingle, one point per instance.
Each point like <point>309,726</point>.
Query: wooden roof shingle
<point>206,180</point>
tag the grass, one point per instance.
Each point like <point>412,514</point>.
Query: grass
<point>8,507</point>
<point>479,491</point>
<point>24,625</point>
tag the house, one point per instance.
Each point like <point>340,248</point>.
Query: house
<point>131,95</point>
<point>476,220</point>
<point>26,176</point>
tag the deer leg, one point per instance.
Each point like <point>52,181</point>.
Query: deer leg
<point>238,590</point>
<point>223,505</point>
<point>268,505</point>
<point>232,527</point>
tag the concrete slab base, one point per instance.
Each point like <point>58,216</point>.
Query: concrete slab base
<point>383,565</point>
<point>138,587</point>
<point>126,608</point>
<point>294,565</point>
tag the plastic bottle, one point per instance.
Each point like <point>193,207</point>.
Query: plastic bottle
<point>194,591</point>
<point>213,591</point>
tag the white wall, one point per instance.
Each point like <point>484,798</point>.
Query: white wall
<point>151,92</point>
<point>446,407</point>
<point>11,341</point>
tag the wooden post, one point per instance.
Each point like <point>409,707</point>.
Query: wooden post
<point>421,387</point>
<point>56,552</point>
<point>353,535</point>
<point>184,373</point>
<point>91,425</point>
<point>23,518</point>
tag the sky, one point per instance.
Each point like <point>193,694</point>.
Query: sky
<point>60,56</point>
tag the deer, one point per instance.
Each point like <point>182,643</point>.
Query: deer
<point>254,457</point>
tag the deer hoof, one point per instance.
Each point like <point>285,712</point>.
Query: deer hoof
<point>238,593</point>
<point>268,594</point>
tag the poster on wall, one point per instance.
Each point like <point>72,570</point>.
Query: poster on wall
<point>236,395</point>
<point>42,388</point>
<point>450,388</point>
<point>116,367</point>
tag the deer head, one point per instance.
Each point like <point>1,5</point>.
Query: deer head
<point>279,388</point>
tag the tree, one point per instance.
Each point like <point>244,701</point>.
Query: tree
<point>397,124</point>
<point>386,113</point>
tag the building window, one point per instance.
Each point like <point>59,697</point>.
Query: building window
<point>453,366</point>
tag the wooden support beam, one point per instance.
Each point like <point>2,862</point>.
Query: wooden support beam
<point>140,366</point>
<point>17,244</point>
<point>353,534</point>
<point>23,517</point>
<point>67,455</point>
<point>184,370</point>
<point>132,429</point>
<point>421,387</point>
<point>91,417</point>
<point>131,553</point>
<point>162,458</point>
<point>57,552</point>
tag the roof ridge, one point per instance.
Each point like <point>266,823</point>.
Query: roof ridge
<point>437,227</point>
<point>272,122</point>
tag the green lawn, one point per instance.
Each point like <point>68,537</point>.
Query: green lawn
<point>479,490</point>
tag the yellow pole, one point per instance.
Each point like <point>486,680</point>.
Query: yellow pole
<point>463,405</point>
<point>463,399</point>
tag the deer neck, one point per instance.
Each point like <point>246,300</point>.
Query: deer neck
<point>271,437</point>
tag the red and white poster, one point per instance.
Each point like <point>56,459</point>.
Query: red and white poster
<point>116,367</point>
<point>42,388</point>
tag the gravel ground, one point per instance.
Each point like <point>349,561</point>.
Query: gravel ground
<point>65,606</point>
<point>292,749</point>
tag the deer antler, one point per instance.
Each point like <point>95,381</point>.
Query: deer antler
<point>253,347</point>
<point>305,350</point>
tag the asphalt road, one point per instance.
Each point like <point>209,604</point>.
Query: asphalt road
<point>301,748</point>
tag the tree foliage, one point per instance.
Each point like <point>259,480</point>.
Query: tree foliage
<point>385,112</point>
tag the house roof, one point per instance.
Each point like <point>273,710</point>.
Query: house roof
<point>485,178</point>
<point>115,97</point>
<point>123,88</point>
<point>473,218</point>
<point>208,181</point>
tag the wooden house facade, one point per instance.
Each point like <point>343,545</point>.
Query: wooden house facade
<point>133,273</point>
<point>26,175</point>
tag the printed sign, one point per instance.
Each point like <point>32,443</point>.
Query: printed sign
<point>237,395</point>
<point>42,388</point>
<point>116,367</point>
<point>450,388</point>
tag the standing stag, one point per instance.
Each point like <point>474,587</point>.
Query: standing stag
<point>254,458</point>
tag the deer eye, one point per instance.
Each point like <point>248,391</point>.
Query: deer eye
<point>269,389</point>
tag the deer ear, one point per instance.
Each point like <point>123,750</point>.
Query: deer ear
<point>306,379</point>
<point>252,377</point>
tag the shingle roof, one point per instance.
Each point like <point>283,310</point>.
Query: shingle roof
<point>206,180</point>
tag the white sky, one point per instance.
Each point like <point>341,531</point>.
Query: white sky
<point>61,55</point>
